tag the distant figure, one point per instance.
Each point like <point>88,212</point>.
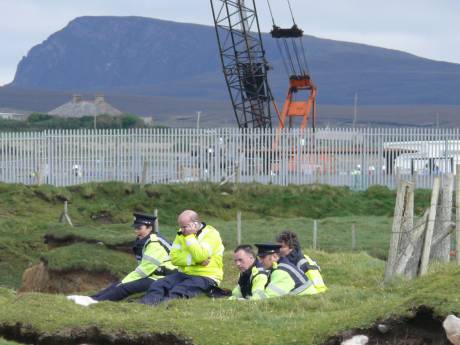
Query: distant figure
<point>152,255</point>
<point>291,250</point>
<point>197,251</point>
<point>253,277</point>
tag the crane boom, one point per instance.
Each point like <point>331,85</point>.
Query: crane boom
<point>243,60</point>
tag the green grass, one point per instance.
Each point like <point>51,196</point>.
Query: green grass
<point>111,235</point>
<point>90,257</point>
<point>289,320</point>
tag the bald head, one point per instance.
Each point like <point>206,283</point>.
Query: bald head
<point>189,222</point>
<point>188,216</point>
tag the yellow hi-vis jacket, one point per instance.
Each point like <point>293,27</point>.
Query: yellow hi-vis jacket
<point>155,262</point>
<point>313,273</point>
<point>188,252</point>
<point>286,279</point>
<point>251,285</point>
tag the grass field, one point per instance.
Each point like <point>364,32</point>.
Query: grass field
<point>356,296</point>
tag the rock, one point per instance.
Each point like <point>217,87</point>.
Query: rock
<point>452,327</point>
<point>356,340</point>
<point>382,328</point>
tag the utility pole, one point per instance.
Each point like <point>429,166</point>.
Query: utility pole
<point>94,124</point>
<point>355,109</point>
<point>198,114</point>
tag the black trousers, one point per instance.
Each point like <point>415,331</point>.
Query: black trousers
<point>177,285</point>
<point>118,291</point>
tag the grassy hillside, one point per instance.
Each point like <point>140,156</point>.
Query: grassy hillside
<point>27,213</point>
<point>102,214</point>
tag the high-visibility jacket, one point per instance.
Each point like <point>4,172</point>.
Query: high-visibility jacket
<point>251,283</point>
<point>310,268</point>
<point>313,272</point>
<point>190,251</point>
<point>287,279</point>
<point>153,260</point>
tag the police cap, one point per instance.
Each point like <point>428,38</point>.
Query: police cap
<point>143,219</point>
<point>267,248</point>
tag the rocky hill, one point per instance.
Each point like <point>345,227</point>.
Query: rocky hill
<point>150,57</point>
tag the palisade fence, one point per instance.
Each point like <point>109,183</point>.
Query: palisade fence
<point>356,158</point>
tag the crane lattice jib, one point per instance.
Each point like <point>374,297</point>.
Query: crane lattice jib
<point>243,61</point>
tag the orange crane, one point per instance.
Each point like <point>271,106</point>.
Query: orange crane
<point>245,67</point>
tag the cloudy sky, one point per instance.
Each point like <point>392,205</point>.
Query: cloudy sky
<point>428,28</point>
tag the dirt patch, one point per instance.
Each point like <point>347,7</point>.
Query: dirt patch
<point>93,335</point>
<point>55,242</point>
<point>422,329</point>
<point>40,278</point>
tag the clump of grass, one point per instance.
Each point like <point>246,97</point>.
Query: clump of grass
<point>89,257</point>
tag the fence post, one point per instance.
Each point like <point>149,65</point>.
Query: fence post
<point>430,226</point>
<point>441,251</point>
<point>315,234</point>
<point>353,236</point>
<point>457,215</point>
<point>238,227</point>
<point>65,218</point>
<point>156,228</point>
<point>144,173</point>
<point>396,230</point>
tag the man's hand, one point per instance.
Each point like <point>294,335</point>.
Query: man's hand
<point>191,228</point>
<point>206,262</point>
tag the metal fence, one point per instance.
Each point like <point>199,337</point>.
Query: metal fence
<point>356,158</point>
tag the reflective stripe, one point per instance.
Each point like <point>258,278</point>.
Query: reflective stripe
<point>301,288</point>
<point>299,275</point>
<point>188,260</point>
<point>176,246</point>
<point>276,289</point>
<point>165,243</point>
<point>259,293</point>
<point>207,247</point>
<point>152,260</point>
<point>139,271</point>
<point>310,266</point>
<point>191,241</point>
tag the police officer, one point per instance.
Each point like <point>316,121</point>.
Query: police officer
<point>152,255</point>
<point>291,250</point>
<point>197,251</point>
<point>253,277</point>
<point>285,278</point>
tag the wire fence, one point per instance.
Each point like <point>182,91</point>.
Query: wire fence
<point>357,158</point>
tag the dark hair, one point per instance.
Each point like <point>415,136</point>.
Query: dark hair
<point>290,238</point>
<point>247,248</point>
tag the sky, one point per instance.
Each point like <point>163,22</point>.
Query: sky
<point>427,28</point>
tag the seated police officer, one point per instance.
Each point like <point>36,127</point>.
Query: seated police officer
<point>285,278</point>
<point>291,250</point>
<point>197,251</point>
<point>152,255</point>
<point>253,277</point>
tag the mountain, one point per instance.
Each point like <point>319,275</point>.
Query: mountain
<point>150,57</point>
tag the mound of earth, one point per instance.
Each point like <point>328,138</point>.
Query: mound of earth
<point>54,242</point>
<point>27,335</point>
<point>421,329</point>
<point>40,278</point>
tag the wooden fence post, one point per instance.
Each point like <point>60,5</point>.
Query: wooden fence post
<point>457,216</point>
<point>353,236</point>
<point>144,173</point>
<point>315,234</point>
<point>430,226</point>
<point>156,227</point>
<point>238,227</point>
<point>396,230</point>
<point>65,218</point>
